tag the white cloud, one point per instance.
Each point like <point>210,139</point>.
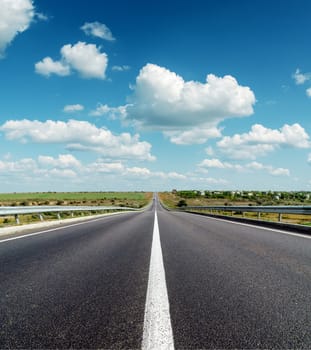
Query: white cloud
<point>218,164</point>
<point>78,135</point>
<point>176,176</point>
<point>15,17</point>
<point>255,166</point>
<point>73,108</point>
<point>105,167</point>
<point>86,59</point>
<point>261,140</point>
<point>63,161</point>
<point>269,168</point>
<point>162,100</point>
<point>279,172</point>
<point>21,166</point>
<point>309,158</point>
<point>48,67</point>
<point>301,78</point>
<point>208,180</point>
<point>195,135</point>
<point>120,68</point>
<point>99,30</point>
<point>146,173</point>
<point>212,163</point>
<point>139,171</point>
<point>65,173</point>
<point>308,92</point>
<point>112,112</point>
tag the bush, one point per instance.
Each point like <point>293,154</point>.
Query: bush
<point>182,203</point>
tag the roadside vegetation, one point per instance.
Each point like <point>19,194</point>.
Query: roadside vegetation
<point>129,199</point>
<point>119,199</point>
<point>182,199</point>
<point>200,198</point>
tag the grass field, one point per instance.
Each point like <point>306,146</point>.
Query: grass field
<point>124,199</point>
<point>171,200</point>
<point>135,199</point>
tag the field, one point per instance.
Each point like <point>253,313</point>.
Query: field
<point>192,198</point>
<point>124,199</point>
<point>131,199</point>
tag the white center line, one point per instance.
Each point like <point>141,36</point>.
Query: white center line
<point>158,332</point>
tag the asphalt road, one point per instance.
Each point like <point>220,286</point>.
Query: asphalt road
<point>229,286</point>
<point>78,287</point>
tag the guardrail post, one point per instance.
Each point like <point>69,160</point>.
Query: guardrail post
<point>41,217</point>
<point>72,214</point>
<point>259,215</point>
<point>58,216</point>
<point>17,219</point>
<point>280,217</point>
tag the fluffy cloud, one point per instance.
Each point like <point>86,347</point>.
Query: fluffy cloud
<point>216,163</point>
<point>84,58</point>
<point>48,67</point>
<point>261,140</point>
<point>60,173</point>
<point>112,112</point>
<point>63,161</point>
<point>309,158</point>
<point>195,135</point>
<point>301,78</point>
<point>146,173</point>
<point>136,171</point>
<point>98,29</point>
<point>73,108</point>
<point>212,163</point>
<point>162,100</point>
<point>78,135</point>
<point>105,167</point>
<point>269,168</point>
<point>15,18</point>
<point>308,92</point>
<point>36,174</point>
<point>23,165</point>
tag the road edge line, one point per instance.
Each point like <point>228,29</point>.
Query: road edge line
<point>58,226</point>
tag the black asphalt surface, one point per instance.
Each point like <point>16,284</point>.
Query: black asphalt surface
<point>80,287</point>
<point>230,286</point>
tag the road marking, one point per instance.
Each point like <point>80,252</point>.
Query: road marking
<point>55,229</point>
<point>158,332</point>
<point>262,228</point>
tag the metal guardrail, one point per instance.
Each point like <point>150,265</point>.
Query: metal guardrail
<point>258,209</point>
<point>302,210</point>
<point>23,210</point>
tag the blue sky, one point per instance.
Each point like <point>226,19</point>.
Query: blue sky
<point>155,95</point>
